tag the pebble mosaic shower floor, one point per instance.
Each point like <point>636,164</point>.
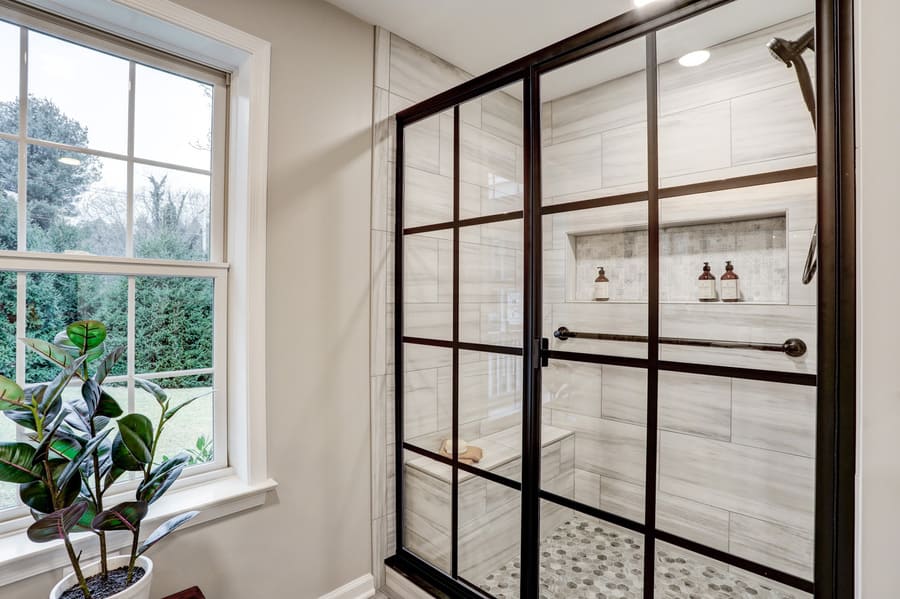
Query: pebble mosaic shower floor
<point>584,560</point>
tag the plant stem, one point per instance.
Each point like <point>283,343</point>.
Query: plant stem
<point>75,566</point>
<point>134,547</point>
<point>98,499</point>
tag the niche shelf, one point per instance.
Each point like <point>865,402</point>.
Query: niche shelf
<point>757,246</point>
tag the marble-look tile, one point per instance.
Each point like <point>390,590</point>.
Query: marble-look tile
<point>554,274</point>
<point>445,158</point>
<point>400,587</point>
<point>622,498</point>
<point>428,198</point>
<point>499,324</point>
<point>484,158</point>
<point>755,482</point>
<point>735,68</point>
<point>420,269</point>
<point>587,487</point>
<point>489,274</point>
<point>624,394</point>
<point>502,115</point>
<point>422,146</point>
<point>420,403</point>
<point>490,387</point>
<point>417,74</point>
<point>775,545</point>
<point>380,159</point>
<point>489,541</point>
<point>695,140</point>
<point>775,416</point>
<point>508,234</point>
<point>606,447</point>
<point>471,113</point>
<point>382,78</point>
<point>572,167</point>
<point>378,298</point>
<point>692,520</point>
<point>695,404</point>
<point>423,357</point>
<point>546,124</point>
<point>798,250</point>
<point>379,544</point>
<point>613,104</point>
<point>626,319</point>
<point>377,408</point>
<point>431,321</point>
<point>624,156</point>
<point>772,124</point>
<point>444,270</point>
<point>573,387</point>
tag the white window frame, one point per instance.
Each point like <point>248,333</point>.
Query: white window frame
<point>237,264</point>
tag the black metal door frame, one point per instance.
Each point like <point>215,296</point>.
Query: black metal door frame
<point>835,378</point>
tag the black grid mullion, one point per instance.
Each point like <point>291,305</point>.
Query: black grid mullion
<point>454,499</point>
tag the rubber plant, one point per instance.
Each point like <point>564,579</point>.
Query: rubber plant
<point>73,457</point>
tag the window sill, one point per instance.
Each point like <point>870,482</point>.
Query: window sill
<point>224,496</point>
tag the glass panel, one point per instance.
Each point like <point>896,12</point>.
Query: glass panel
<point>54,300</point>
<point>491,279</point>
<point>428,286</point>
<point>594,126</point>
<point>9,194</point>
<point>594,435</point>
<point>737,467</point>
<point>76,96</point>
<point>491,153</point>
<point>490,412</point>
<point>76,203</point>
<point>173,323</point>
<point>579,297</point>
<point>8,491</point>
<point>582,556</point>
<point>727,106</point>
<point>9,78</point>
<point>172,118</point>
<point>428,171</point>
<point>681,574</point>
<point>490,523</point>
<point>427,395</point>
<point>192,429</point>
<point>427,509</point>
<point>171,214</point>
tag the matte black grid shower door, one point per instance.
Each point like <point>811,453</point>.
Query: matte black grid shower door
<point>497,330</point>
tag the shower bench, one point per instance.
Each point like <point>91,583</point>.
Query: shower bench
<point>489,513</point>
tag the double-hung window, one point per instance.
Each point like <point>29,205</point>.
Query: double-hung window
<point>112,207</point>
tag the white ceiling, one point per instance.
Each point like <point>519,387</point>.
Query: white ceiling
<point>480,35</point>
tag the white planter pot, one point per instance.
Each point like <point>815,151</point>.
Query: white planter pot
<point>139,590</point>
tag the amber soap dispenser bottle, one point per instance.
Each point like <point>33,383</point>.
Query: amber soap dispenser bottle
<point>601,286</point>
<point>730,289</point>
<point>706,285</point>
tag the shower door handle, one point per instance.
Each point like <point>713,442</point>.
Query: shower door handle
<point>545,352</point>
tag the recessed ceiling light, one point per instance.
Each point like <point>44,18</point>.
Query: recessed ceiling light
<point>69,161</point>
<point>694,59</point>
<point>640,3</point>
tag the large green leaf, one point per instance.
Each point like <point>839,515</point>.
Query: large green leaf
<point>84,523</point>
<point>108,406</point>
<point>37,496</point>
<point>52,352</point>
<point>113,475</point>
<point>57,525</point>
<point>165,530</point>
<point>86,334</point>
<point>107,363</point>
<point>22,417</point>
<point>62,340</point>
<point>155,390</point>
<point>16,463</point>
<point>124,516</point>
<point>43,447</point>
<point>11,395</point>
<point>162,478</point>
<point>90,392</point>
<point>54,389</point>
<point>174,410</point>
<point>123,458</point>
<point>73,466</point>
<point>136,432</point>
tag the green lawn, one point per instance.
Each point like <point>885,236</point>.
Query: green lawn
<point>180,433</point>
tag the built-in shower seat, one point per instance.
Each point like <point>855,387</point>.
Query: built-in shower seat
<point>489,513</point>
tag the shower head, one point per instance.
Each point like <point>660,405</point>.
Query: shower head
<point>789,52</point>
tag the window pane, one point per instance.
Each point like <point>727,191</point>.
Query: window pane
<point>76,96</point>
<point>172,118</point>
<point>9,78</point>
<point>76,202</point>
<point>8,492</point>
<point>173,323</point>
<point>9,193</point>
<point>54,300</point>
<point>191,429</point>
<point>171,214</point>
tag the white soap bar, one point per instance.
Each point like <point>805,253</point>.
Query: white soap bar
<point>447,446</point>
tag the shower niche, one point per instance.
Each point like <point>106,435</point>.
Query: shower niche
<point>756,245</point>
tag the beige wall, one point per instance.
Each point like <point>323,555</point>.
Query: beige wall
<point>314,535</point>
<point>878,61</point>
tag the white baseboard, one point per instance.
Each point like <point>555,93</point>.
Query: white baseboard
<point>361,588</point>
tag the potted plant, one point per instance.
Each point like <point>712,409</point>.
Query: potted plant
<point>74,455</point>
